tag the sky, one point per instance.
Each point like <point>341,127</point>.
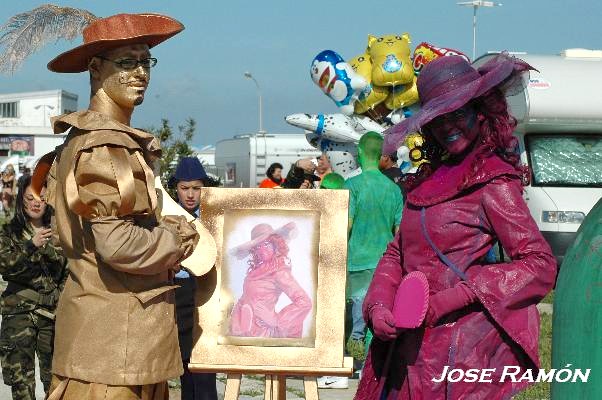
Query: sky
<point>200,73</point>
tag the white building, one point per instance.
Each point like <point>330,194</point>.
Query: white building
<point>25,131</point>
<point>206,155</point>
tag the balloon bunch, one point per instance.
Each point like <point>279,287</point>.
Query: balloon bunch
<point>373,91</point>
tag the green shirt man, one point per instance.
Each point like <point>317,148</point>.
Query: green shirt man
<point>375,206</point>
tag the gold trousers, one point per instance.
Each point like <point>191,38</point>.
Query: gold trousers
<point>72,389</point>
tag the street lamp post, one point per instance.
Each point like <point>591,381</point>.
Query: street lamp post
<point>248,75</point>
<point>44,105</point>
<point>476,4</point>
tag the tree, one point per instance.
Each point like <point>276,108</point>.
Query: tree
<point>174,146</point>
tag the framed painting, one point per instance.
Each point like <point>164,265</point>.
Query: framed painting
<point>275,299</point>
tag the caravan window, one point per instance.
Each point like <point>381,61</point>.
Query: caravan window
<point>565,160</point>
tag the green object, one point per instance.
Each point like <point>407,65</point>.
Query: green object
<point>355,348</point>
<point>577,321</point>
<point>358,282</point>
<point>332,181</point>
<point>367,341</point>
<point>375,206</point>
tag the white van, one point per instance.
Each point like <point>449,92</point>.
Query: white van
<point>560,135</point>
<point>246,158</point>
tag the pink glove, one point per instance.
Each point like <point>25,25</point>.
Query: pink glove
<point>447,301</point>
<point>383,323</point>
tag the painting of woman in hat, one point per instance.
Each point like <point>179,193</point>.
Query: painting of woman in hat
<point>268,276</point>
<point>481,316</point>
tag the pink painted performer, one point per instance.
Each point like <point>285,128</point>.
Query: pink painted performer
<point>480,316</point>
<point>268,276</point>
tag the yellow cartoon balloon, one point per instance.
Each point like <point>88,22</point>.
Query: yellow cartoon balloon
<point>392,65</point>
<point>402,96</point>
<point>414,142</point>
<point>371,95</point>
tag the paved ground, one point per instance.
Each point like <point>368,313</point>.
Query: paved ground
<point>252,388</point>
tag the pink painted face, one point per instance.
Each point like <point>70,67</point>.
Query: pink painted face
<point>456,130</point>
<point>265,250</point>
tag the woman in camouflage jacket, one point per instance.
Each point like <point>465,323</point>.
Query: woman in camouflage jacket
<point>35,271</point>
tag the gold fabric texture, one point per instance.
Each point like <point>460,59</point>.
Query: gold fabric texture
<point>69,389</point>
<point>115,319</point>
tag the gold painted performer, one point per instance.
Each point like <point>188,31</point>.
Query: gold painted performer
<point>116,335</point>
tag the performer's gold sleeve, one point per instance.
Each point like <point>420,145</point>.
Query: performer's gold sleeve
<point>120,241</point>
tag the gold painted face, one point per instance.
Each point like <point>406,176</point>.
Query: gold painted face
<point>126,87</point>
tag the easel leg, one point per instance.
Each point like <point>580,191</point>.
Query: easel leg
<point>232,386</point>
<point>310,385</point>
<point>280,388</point>
<point>275,387</point>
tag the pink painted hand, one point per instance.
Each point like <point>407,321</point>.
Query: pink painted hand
<point>447,301</point>
<point>383,323</point>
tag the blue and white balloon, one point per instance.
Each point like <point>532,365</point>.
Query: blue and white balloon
<point>337,80</point>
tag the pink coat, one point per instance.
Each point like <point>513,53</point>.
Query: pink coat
<point>466,212</point>
<point>254,314</point>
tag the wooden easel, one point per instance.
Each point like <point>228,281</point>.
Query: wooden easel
<point>275,378</point>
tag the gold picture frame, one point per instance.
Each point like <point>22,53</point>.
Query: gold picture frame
<point>239,219</point>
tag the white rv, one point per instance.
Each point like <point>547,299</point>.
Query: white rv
<point>244,159</point>
<point>560,135</point>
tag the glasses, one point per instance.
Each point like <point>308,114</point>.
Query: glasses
<point>130,63</point>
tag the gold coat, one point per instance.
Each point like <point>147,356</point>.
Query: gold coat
<point>115,321</point>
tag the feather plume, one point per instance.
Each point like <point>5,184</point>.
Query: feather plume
<point>27,32</point>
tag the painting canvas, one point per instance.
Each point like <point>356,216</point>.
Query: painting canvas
<point>269,277</point>
<point>275,299</point>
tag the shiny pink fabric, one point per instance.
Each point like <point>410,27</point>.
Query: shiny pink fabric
<point>467,209</point>
<point>254,314</point>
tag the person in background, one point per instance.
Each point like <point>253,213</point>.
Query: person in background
<point>26,173</point>
<point>189,178</point>
<point>388,166</point>
<point>375,206</point>
<point>332,181</point>
<point>301,175</point>
<point>35,271</point>
<point>274,176</point>
<point>9,185</point>
<point>480,315</point>
<point>322,168</point>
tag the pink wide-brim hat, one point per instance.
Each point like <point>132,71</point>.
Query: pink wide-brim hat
<point>262,232</point>
<point>447,83</point>
<point>109,33</point>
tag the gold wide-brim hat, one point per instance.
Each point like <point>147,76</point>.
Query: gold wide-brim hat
<point>109,33</point>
